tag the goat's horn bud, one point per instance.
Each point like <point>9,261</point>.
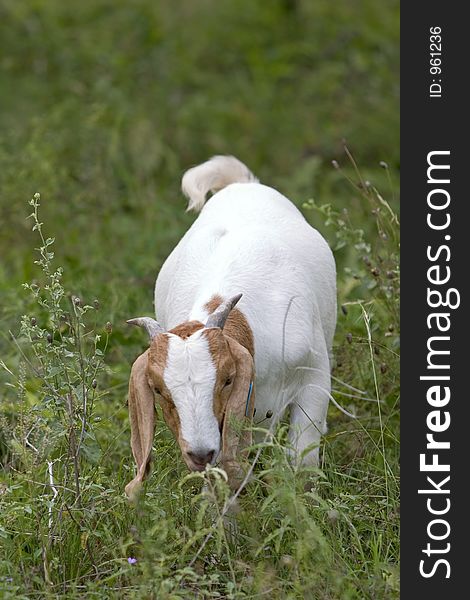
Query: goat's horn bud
<point>151,326</point>
<point>219,316</point>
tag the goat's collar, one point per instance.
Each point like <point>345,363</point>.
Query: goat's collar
<point>247,406</point>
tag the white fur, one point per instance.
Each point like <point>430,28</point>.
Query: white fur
<point>249,238</point>
<point>190,376</point>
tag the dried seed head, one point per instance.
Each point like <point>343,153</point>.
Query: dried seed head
<point>376,350</point>
<point>349,337</point>
<point>94,383</point>
<point>77,301</point>
<point>366,259</point>
<point>33,321</point>
<point>287,561</point>
<point>390,275</point>
<point>344,310</point>
<point>391,327</point>
<point>333,515</point>
<point>108,327</point>
<point>383,368</point>
<point>383,164</point>
<point>49,338</point>
<point>335,164</point>
<point>375,272</point>
<point>96,304</point>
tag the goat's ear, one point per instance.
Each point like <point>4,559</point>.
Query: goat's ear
<point>142,421</point>
<point>238,413</point>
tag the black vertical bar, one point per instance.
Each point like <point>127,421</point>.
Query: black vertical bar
<point>433,120</point>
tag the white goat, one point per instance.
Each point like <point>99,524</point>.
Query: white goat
<point>250,246</point>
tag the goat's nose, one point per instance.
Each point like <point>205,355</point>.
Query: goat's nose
<point>201,459</point>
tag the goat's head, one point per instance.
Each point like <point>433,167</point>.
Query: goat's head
<point>202,378</point>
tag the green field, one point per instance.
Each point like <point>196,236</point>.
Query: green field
<point>104,105</point>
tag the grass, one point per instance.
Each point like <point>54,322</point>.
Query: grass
<point>105,105</point>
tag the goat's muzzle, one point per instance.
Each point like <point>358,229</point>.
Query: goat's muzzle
<point>197,461</point>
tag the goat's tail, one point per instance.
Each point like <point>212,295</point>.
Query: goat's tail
<point>212,176</point>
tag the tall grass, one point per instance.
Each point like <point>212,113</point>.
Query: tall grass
<point>66,529</point>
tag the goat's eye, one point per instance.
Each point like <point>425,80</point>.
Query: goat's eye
<point>228,381</point>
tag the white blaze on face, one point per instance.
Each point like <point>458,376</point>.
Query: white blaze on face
<point>190,376</point>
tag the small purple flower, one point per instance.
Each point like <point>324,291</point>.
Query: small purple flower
<point>131,560</point>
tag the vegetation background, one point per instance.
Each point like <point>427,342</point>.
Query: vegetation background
<point>104,105</point>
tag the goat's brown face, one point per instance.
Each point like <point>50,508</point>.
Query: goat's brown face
<point>202,378</point>
<point>195,379</point>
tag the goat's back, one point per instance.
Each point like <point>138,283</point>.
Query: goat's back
<point>249,238</point>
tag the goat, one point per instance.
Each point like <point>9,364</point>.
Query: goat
<point>209,363</point>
